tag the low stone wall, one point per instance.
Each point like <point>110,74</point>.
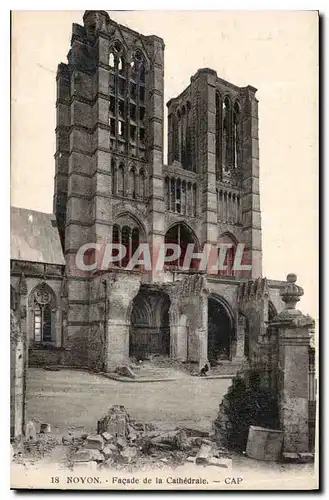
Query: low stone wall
<point>47,356</point>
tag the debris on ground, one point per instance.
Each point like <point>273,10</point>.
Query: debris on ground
<point>125,371</point>
<point>45,428</point>
<point>123,443</point>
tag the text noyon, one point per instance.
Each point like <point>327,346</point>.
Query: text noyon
<point>212,258</point>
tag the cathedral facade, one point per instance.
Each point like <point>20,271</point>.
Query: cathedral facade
<point>112,186</point>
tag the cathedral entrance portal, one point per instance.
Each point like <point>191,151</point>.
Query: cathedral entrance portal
<point>220,331</point>
<point>149,329</point>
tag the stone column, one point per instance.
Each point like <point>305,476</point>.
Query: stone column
<point>292,370</point>
<point>203,331</point>
<point>120,296</point>
<point>174,328</point>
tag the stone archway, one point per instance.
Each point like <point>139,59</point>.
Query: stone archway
<point>182,235</point>
<point>220,330</point>
<point>149,328</point>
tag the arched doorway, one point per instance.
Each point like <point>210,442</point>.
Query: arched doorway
<point>149,329</point>
<point>220,331</point>
<point>181,235</point>
<point>228,239</point>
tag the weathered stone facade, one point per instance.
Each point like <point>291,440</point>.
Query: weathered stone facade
<point>111,185</point>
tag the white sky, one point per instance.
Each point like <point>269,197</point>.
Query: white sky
<point>274,51</point>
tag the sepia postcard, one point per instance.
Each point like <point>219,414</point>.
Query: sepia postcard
<point>164,250</point>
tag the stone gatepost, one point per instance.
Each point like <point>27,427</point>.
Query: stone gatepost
<point>17,378</point>
<point>120,294</point>
<point>292,369</point>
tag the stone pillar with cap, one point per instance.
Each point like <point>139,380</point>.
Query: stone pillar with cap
<point>292,370</point>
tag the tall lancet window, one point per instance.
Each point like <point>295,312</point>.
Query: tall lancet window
<point>137,105</point>
<point>183,137</point>
<point>117,97</point>
<point>189,160</point>
<point>175,138</point>
<point>227,136</point>
<point>236,134</point>
<point>218,136</point>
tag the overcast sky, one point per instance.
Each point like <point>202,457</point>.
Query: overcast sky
<point>276,52</point>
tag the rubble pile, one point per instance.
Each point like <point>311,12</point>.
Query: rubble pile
<point>34,445</point>
<point>121,442</point>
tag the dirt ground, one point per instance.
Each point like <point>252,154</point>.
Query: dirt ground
<point>77,399</point>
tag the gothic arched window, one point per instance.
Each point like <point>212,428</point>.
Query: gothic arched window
<point>218,136</point>
<point>114,177</point>
<point>111,60</point>
<point>43,307</point>
<point>227,135</point>
<point>137,105</point>
<point>126,232</point>
<point>189,163</point>
<point>142,184</point>
<point>181,235</point>
<point>229,240</point>
<point>118,94</point>
<point>121,175</point>
<point>126,242</point>
<point>236,135</point>
<point>133,182</point>
<point>175,138</point>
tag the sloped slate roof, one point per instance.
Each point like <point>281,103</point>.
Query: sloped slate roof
<point>34,237</point>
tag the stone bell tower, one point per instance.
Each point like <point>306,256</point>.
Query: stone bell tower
<point>109,153</point>
<point>213,132</point>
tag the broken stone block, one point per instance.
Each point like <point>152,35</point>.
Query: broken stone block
<point>94,442</point>
<point>45,428</point>
<point>182,441</point>
<point>30,432</point>
<point>108,451</point>
<point>97,456</point>
<point>195,441</point>
<point>129,453</point>
<point>125,371</point>
<point>204,454</point>
<point>102,424</point>
<point>191,460</point>
<point>121,442</point>
<point>290,457</point>
<point>67,440</point>
<point>196,432</point>
<point>109,447</point>
<point>107,436</point>
<point>118,421</point>
<point>305,458</point>
<point>82,456</point>
<point>132,436</point>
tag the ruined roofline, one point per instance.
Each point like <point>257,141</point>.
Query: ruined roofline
<point>218,80</point>
<point>121,26</point>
